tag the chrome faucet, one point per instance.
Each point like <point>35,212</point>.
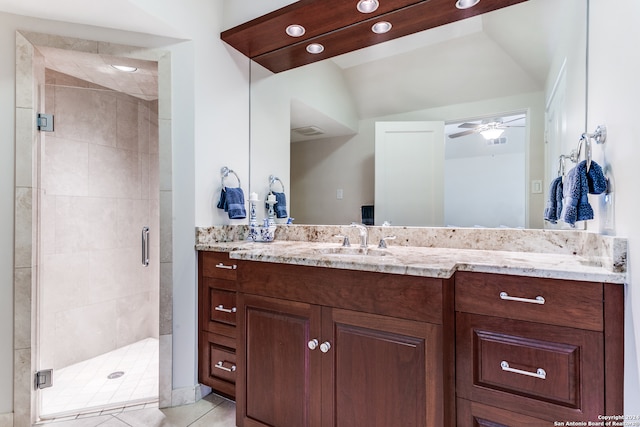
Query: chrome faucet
<point>364,233</point>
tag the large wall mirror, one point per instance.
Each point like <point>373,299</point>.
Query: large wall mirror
<point>314,127</point>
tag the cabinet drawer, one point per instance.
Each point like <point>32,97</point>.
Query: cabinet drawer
<point>536,369</point>
<point>556,302</point>
<point>217,363</point>
<point>473,414</point>
<point>222,306</point>
<point>222,363</point>
<point>218,265</point>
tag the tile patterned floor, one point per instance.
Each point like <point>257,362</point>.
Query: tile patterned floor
<point>212,411</point>
<point>85,387</point>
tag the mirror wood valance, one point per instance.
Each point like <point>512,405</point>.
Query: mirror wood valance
<point>340,28</point>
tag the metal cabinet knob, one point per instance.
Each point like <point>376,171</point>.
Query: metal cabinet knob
<point>313,344</point>
<point>325,346</point>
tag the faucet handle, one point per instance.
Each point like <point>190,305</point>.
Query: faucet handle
<point>345,241</point>
<point>383,241</point>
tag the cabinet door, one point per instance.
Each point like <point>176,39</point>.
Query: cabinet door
<point>278,374</point>
<point>381,371</point>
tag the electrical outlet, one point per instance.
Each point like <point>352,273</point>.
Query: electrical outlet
<point>339,194</point>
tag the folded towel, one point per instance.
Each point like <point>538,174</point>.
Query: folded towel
<point>554,204</point>
<point>280,207</point>
<point>575,203</point>
<point>232,201</point>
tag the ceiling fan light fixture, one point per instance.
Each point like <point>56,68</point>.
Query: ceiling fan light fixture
<point>295,30</point>
<point>466,4</point>
<point>315,48</point>
<point>367,6</point>
<point>492,133</point>
<point>381,27</point>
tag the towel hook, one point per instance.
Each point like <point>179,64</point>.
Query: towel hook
<point>599,136</point>
<point>225,171</point>
<point>272,180</point>
<point>561,165</point>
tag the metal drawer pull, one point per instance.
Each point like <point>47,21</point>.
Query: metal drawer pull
<point>540,373</point>
<point>225,310</point>
<point>313,344</point>
<point>219,365</point>
<point>537,300</point>
<point>228,267</point>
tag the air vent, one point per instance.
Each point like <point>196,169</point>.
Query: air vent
<point>308,130</point>
<point>496,141</point>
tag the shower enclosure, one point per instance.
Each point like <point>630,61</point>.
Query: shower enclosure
<point>97,301</point>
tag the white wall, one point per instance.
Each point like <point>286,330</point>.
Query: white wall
<point>210,124</point>
<point>613,100</point>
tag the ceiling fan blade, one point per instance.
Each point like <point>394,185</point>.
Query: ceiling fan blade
<point>466,132</point>
<point>469,125</point>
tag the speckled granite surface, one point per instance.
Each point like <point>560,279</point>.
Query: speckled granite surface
<point>434,252</point>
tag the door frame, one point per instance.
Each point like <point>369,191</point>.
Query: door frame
<point>26,209</point>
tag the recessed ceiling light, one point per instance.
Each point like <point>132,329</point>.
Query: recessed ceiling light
<point>381,27</point>
<point>368,6</point>
<point>315,48</point>
<point>295,30</point>
<point>125,68</point>
<point>466,4</point>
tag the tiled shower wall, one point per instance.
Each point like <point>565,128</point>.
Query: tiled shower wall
<point>99,188</point>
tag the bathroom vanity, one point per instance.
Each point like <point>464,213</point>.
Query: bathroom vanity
<point>411,336</point>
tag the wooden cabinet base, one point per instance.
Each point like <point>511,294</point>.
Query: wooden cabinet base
<point>473,414</point>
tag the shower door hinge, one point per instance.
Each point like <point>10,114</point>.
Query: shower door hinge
<point>45,122</point>
<point>44,378</point>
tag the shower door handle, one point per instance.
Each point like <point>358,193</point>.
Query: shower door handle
<point>145,246</point>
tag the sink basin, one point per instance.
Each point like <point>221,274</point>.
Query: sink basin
<point>347,250</point>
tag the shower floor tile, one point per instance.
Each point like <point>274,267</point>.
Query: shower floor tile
<point>85,387</point>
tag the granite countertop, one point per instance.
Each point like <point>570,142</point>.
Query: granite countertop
<point>438,262</point>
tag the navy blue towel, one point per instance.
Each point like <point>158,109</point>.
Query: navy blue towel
<point>577,186</point>
<point>554,204</point>
<point>232,201</point>
<point>280,207</point>
<point>596,179</point>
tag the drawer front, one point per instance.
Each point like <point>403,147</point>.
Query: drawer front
<point>473,414</point>
<point>546,370</point>
<point>222,306</point>
<point>394,295</point>
<point>555,302</point>
<point>222,363</point>
<point>216,363</point>
<point>218,265</point>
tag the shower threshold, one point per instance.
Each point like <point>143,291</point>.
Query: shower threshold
<point>127,376</point>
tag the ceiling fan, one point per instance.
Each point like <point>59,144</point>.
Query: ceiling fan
<point>490,129</point>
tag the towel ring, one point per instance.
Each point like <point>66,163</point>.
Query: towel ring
<point>272,180</point>
<point>225,171</point>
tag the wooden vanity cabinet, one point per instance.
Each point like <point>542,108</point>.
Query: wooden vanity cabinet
<point>217,310</point>
<point>532,351</point>
<point>327,347</point>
